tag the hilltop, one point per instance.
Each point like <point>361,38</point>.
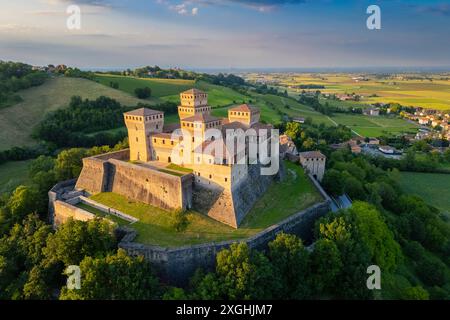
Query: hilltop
<point>17,121</point>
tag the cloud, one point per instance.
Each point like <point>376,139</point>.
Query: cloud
<point>439,9</point>
<point>190,7</point>
<point>184,9</point>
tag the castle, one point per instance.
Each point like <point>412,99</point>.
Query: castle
<point>203,162</point>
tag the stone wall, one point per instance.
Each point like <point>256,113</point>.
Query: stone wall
<point>109,173</point>
<point>230,206</point>
<point>64,211</point>
<point>177,265</point>
<point>94,175</point>
<point>149,186</point>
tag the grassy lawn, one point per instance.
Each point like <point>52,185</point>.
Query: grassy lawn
<point>375,126</point>
<point>13,174</point>
<point>280,201</point>
<point>218,96</point>
<point>160,87</point>
<point>17,121</point>
<point>100,213</point>
<point>173,166</point>
<point>433,187</point>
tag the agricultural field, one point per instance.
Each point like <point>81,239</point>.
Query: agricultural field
<point>17,121</point>
<point>13,174</point>
<point>281,200</point>
<point>433,187</point>
<point>431,93</point>
<point>170,89</point>
<point>160,87</point>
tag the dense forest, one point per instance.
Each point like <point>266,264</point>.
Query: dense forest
<point>82,123</point>
<point>422,232</point>
<point>15,76</point>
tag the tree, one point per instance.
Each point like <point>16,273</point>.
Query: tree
<point>22,202</point>
<point>143,93</point>
<point>76,239</point>
<point>375,234</point>
<point>325,268</point>
<point>69,163</point>
<point>180,221</point>
<point>415,293</point>
<point>114,277</point>
<point>332,182</point>
<point>290,262</point>
<point>240,274</point>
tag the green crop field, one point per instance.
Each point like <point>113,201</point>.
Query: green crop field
<point>17,121</point>
<point>13,174</point>
<point>433,187</point>
<point>432,94</point>
<point>218,96</point>
<point>281,200</point>
<point>160,87</point>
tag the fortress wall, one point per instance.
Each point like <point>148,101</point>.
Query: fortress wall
<point>64,211</point>
<point>93,175</point>
<point>177,265</point>
<point>148,185</point>
<point>55,194</point>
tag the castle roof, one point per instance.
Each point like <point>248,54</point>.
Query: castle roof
<point>201,117</point>
<point>244,108</point>
<point>193,91</point>
<point>312,154</point>
<point>143,112</point>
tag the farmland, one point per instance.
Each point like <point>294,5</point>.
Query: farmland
<point>12,174</point>
<point>17,121</point>
<point>433,187</point>
<point>431,92</point>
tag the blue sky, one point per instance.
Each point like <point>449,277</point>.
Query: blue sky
<point>226,33</point>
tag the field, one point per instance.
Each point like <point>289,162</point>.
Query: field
<point>17,121</point>
<point>272,107</point>
<point>13,174</point>
<point>433,187</point>
<point>280,201</point>
<point>170,89</point>
<point>432,94</point>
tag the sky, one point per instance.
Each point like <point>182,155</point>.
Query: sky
<point>226,33</point>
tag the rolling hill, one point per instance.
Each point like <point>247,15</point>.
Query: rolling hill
<point>18,120</point>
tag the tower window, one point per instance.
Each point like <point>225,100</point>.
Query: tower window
<point>137,140</point>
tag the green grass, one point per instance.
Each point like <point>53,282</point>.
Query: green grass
<point>17,121</point>
<point>13,174</point>
<point>160,87</point>
<point>218,96</point>
<point>280,201</point>
<point>173,166</point>
<point>433,187</point>
<point>97,212</point>
<point>174,173</point>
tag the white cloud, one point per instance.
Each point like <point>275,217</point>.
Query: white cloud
<point>183,8</point>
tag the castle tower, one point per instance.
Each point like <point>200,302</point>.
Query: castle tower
<point>193,102</point>
<point>244,114</point>
<point>141,124</point>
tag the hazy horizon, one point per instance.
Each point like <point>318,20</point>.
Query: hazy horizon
<point>224,34</point>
